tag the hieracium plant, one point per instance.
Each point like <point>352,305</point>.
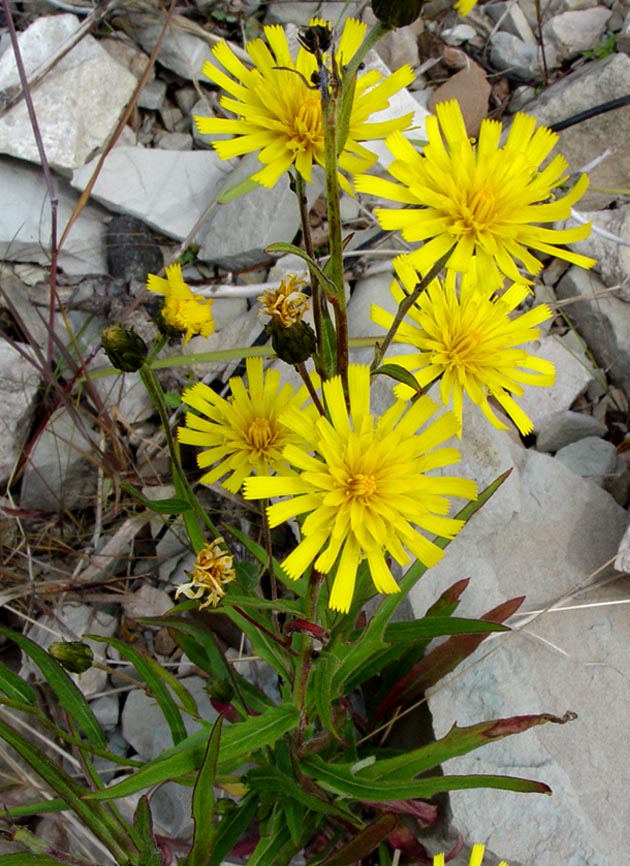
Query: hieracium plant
<point>371,496</point>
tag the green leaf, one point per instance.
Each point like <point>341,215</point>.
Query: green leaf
<point>203,803</point>
<point>340,780</point>
<point>320,689</point>
<point>298,587</point>
<point>276,846</point>
<point>232,828</point>
<point>238,742</point>
<point>68,694</point>
<point>173,505</point>
<point>15,688</point>
<point>150,854</point>
<point>399,374</point>
<point>25,858</point>
<point>437,626</point>
<point>271,780</point>
<point>363,843</point>
<point>239,189</point>
<point>156,677</point>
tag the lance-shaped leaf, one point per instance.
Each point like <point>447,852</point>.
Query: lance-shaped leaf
<point>363,843</point>
<point>203,803</point>
<point>441,661</point>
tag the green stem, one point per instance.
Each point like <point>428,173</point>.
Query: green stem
<point>303,667</point>
<point>335,263</point>
<point>318,297</point>
<point>197,515</point>
<point>405,305</point>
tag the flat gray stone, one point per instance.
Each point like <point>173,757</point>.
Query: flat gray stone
<point>576,31</point>
<point>19,381</point>
<point>566,427</point>
<point>543,534</point>
<point>168,190</point>
<point>58,474</point>
<point>602,320</point>
<point>591,458</point>
<point>181,51</point>
<point>595,83</point>
<point>25,222</point>
<point>76,113</point>
<point>518,60</point>
<point>613,257</point>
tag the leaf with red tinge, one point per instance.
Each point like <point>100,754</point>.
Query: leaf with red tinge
<point>441,661</point>
<point>363,843</point>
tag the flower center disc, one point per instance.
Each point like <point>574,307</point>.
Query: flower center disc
<point>480,209</point>
<point>307,125</point>
<point>360,487</point>
<point>261,436</point>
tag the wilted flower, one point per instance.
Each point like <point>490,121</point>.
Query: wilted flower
<point>362,482</point>
<point>212,571</point>
<point>287,304</point>
<point>483,201</point>
<point>183,312</point>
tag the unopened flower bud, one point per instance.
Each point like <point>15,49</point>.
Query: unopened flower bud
<point>397,13</point>
<point>74,655</point>
<point>126,350</point>
<point>294,344</point>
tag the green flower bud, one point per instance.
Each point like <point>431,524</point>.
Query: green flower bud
<point>73,655</point>
<point>294,344</point>
<point>397,13</point>
<point>221,690</point>
<point>126,350</point>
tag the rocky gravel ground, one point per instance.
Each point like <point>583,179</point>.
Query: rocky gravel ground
<point>75,561</point>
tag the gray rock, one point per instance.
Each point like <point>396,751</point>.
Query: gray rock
<point>168,190</point>
<point>19,381</point>
<point>107,711</point>
<point>76,113</point>
<point>576,31</point>
<point>235,234</point>
<point>602,320</point>
<point>622,560</point>
<point>132,253</point>
<point>513,20</point>
<point>545,532</point>
<point>143,723</point>
<point>152,95</point>
<point>613,256</point>
<point>291,12</point>
<point>517,60</point>
<point>25,222</point>
<point>458,34</point>
<point>574,372</point>
<point>72,621</point>
<point>591,458</point>
<point>147,601</point>
<point>181,51</point>
<point>58,474</point>
<point>179,141</point>
<point>595,83</point>
<point>623,37</point>
<point>563,428</point>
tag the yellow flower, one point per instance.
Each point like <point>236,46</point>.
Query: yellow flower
<point>365,487</point>
<point>463,7</point>
<point>213,569</point>
<point>287,304</point>
<point>183,311</point>
<point>279,110</point>
<point>484,200</point>
<point>242,434</point>
<point>476,857</point>
<point>467,339</point>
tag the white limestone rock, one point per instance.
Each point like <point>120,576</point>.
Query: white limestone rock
<point>167,190</point>
<point>76,113</point>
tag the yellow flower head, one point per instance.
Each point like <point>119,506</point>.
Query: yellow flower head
<point>183,311</point>
<point>213,569</point>
<point>365,487</point>
<point>463,7</point>
<point>242,434</point>
<point>467,339</point>
<point>287,304</point>
<point>476,857</point>
<point>279,110</point>
<point>483,199</point>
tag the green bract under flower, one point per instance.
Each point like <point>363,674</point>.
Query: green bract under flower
<point>469,339</point>
<point>362,483</point>
<point>278,108</point>
<point>481,200</point>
